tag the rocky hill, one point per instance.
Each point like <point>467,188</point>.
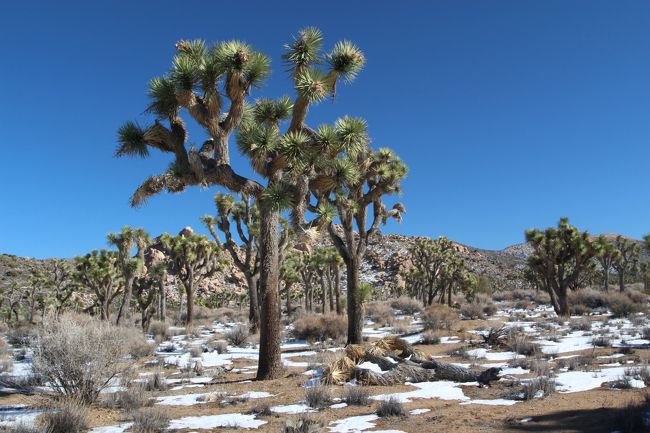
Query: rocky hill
<point>387,255</point>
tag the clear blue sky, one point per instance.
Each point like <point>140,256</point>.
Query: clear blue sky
<point>510,114</point>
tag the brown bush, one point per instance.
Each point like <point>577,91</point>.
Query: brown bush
<point>438,316</point>
<point>319,327</point>
<point>407,305</point>
<point>380,313</point>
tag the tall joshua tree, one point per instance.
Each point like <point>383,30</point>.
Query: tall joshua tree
<point>606,254</point>
<point>193,86</point>
<point>627,261</point>
<point>100,272</point>
<point>194,258</point>
<point>245,216</point>
<point>352,185</point>
<point>562,260</point>
<point>131,266</point>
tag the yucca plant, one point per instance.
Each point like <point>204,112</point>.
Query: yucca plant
<point>627,260</point>
<point>211,85</point>
<point>100,272</point>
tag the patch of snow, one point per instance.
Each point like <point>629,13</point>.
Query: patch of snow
<point>292,409</point>
<point>444,390</point>
<point>112,428</point>
<point>419,411</point>
<point>229,420</point>
<point>577,381</point>
<point>495,402</point>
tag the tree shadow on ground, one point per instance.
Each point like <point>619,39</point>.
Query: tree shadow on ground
<point>601,420</point>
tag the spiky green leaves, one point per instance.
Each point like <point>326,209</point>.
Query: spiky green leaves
<point>312,84</point>
<point>272,111</point>
<point>224,203</point>
<point>294,145</point>
<point>278,196</point>
<point>346,59</point>
<point>255,138</point>
<point>326,212</point>
<point>305,47</point>
<point>237,57</point>
<point>352,134</point>
<point>162,92</point>
<point>131,141</point>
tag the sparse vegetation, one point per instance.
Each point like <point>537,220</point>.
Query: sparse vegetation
<point>356,396</point>
<point>318,396</point>
<point>437,317</point>
<point>391,407</point>
<point>66,417</point>
<point>319,327</point>
<point>150,420</point>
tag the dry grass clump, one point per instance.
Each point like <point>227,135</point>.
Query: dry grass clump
<point>159,330</point>
<point>151,420</point>
<point>478,308</point>
<point>302,424</point>
<point>237,335</point>
<point>79,357</point>
<point>438,316</point>
<point>156,382</point>
<point>622,306</point>
<point>134,397</point>
<point>520,343</point>
<point>66,417</point>
<point>20,428</point>
<point>429,337</point>
<point>391,408</point>
<point>356,396</point>
<point>137,345</point>
<point>601,341</point>
<point>318,396</point>
<point>319,327</point>
<point>380,312</point>
<point>538,387</point>
<point>495,335</point>
<point>581,324</point>
<point>262,409</point>
<point>407,305</point>
<point>217,345</point>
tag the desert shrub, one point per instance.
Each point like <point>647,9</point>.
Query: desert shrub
<point>318,396</point>
<point>640,373</point>
<point>621,306</point>
<point>79,358</point>
<point>319,327</point>
<point>217,345</point>
<point>356,396</point>
<point>67,417</point>
<point>588,297</point>
<point>542,297</point>
<point>520,343</point>
<point>391,408</point>
<point>575,362</point>
<point>130,399</point>
<point>636,296</point>
<point>302,424</point>
<point>460,352</point>
<point>380,313</point>
<point>429,337</point>
<point>502,295</point>
<point>151,420</point>
<point>156,382</point>
<point>579,310</point>
<point>20,427</point>
<point>20,336</point>
<point>438,316</point>
<point>196,351</point>
<point>159,329</point>
<point>407,305</point>
<point>538,387</point>
<point>225,315</point>
<point>480,307</point>
<point>601,341</point>
<point>237,335</point>
<point>137,345</point>
<point>495,335</point>
<point>261,409</point>
<point>400,327</point>
<point>580,325</point>
<point>645,333</point>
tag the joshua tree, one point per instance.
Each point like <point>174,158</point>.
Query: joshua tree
<point>194,258</point>
<point>627,261</point>
<point>290,275</point>
<point>351,184</point>
<point>245,216</point>
<point>100,272</point>
<point>429,258</point>
<point>131,266</point>
<point>607,255</point>
<point>146,288</point>
<point>193,86</point>
<point>59,274</point>
<point>562,260</point>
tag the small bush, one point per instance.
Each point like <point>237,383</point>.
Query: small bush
<point>407,305</point>
<point>68,417</point>
<point>601,341</point>
<point>588,297</point>
<point>156,382</point>
<point>621,306</point>
<point>645,333</point>
<point>580,325</point>
<point>20,337</point>
<point>319,328</point>
<point>79,357</point>
<point>20,428</point>
<point>302,424</point>
<point>237,335</point>
<point>218,345</point>
<point>538,387</point>
<point>391,408</point>
<point>196,351</point>
<point>438,317</point>
<point>318,396</point>
<point>495,335</point>
<point>429,337</point>
<point>480,307</point>
<point>520,343</point>
<point>152,420</point>
<point>159,329</point>
<point>262,409</point>
<point>356,396</point>
<point>134,397</point>
<point>380,313</point>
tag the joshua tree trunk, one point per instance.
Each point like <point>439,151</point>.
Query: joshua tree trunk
<point>621,281</point>
<point>337,291</point>
<point>125,306</point>
<point>253,301</point>
<point>269,366</point>
<point>330,290</point>
<point>355,304</point>
<point>323,293</point>
<point>189,294</point>
<point>288,288</point>
<point>606,281</point>
<point>449,290</point>
<point>162,306</point>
